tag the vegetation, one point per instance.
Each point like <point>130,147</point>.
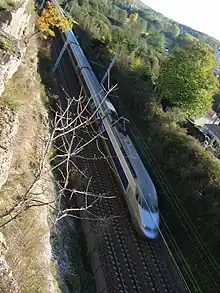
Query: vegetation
<point>17,91</point>
<point>6,44</point>
<point>77,273</point>
<point>50,19</point>
<point>144,41</point>
<point>216,103</point>
<point>187,81</point>
<point>8,5</point>
<point>31,8</point>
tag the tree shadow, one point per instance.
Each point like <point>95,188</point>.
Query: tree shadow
<point>70,262</point>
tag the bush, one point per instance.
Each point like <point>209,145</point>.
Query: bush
<point>8,5</point>
<point>6,44</point>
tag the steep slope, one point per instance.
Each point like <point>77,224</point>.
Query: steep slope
<point>25,250</point>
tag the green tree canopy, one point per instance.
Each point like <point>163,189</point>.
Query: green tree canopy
<point>122,15</point>
<point>155,25</point>
<point>186,80</point>
<point>50,19</point>
<point>185,40</point>
<point>83,2</point>
<point>173,31</point>
<point>156,40</point>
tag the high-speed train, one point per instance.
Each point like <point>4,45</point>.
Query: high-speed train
<point>140,193</point>
<point>143,205</point>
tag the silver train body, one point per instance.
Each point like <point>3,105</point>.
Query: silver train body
<point>139,191</point>
<point>143,204</point>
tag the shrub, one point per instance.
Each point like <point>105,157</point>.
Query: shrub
<point>8,5</point>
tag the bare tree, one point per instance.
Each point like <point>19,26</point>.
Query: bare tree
<point>64,144</point>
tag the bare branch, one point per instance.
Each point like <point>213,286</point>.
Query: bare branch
<point>72,130</point>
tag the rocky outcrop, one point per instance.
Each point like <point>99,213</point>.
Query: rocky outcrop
<point>8,130</point>
<point>17,21</point>
<point>7,282</point>
<point>14,25</point>
<point>9,67</point>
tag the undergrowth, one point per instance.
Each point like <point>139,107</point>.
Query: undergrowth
<point>9,5</point>
<point>7,45</point>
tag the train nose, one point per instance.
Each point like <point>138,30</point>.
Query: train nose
<point>150,223</point>
<point>150,233</point>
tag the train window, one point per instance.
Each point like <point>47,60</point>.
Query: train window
<point>118,166</point>
<point>148,205</point>
<point>121,126</point>
<point>131,168</point>
<point>153,208</point>
<point>114,115</point>
<point>138,197</point>
<point>129,163</point>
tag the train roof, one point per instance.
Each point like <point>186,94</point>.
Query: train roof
<point>143,178</point>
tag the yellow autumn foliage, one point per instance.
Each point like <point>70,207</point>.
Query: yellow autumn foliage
<point>134,17</point>
<point>50,19</point>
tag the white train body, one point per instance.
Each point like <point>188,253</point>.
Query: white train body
<point>143,204</point>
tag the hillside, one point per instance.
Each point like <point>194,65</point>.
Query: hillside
<point>132,29</point>
<point>202,37</point>
<point>152,16</point>
<point>186,176</point>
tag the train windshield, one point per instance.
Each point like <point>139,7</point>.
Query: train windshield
<point>148,205</point>
<point>121,126</point>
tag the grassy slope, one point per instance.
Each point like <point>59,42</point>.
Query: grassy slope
<point>28,236</point>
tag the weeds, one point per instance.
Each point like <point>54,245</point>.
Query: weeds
<point>24,254</point>
<point>6,44</point>
<point>17,91</point>
<point>15,107</point>
<point>31,7</point>
<point>42,88</point>
<point>8,5</point>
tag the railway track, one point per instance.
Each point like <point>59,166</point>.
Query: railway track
<point>129,263</point>
<point>147,270</point>
<point>118,265</point>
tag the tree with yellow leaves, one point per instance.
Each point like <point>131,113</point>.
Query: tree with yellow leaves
<point>134,17</point>
<point>50,19</point>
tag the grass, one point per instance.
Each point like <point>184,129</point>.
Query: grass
<point>6,44</point>
<point>42,88</point>
<point>9,5</point>
<point>69,265</point>
<point>26,94</point>
<point>18,90</point>
<point>54,272</point>
<point>31,7</point>
<point>24,254</point>
<point>23,88</point>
